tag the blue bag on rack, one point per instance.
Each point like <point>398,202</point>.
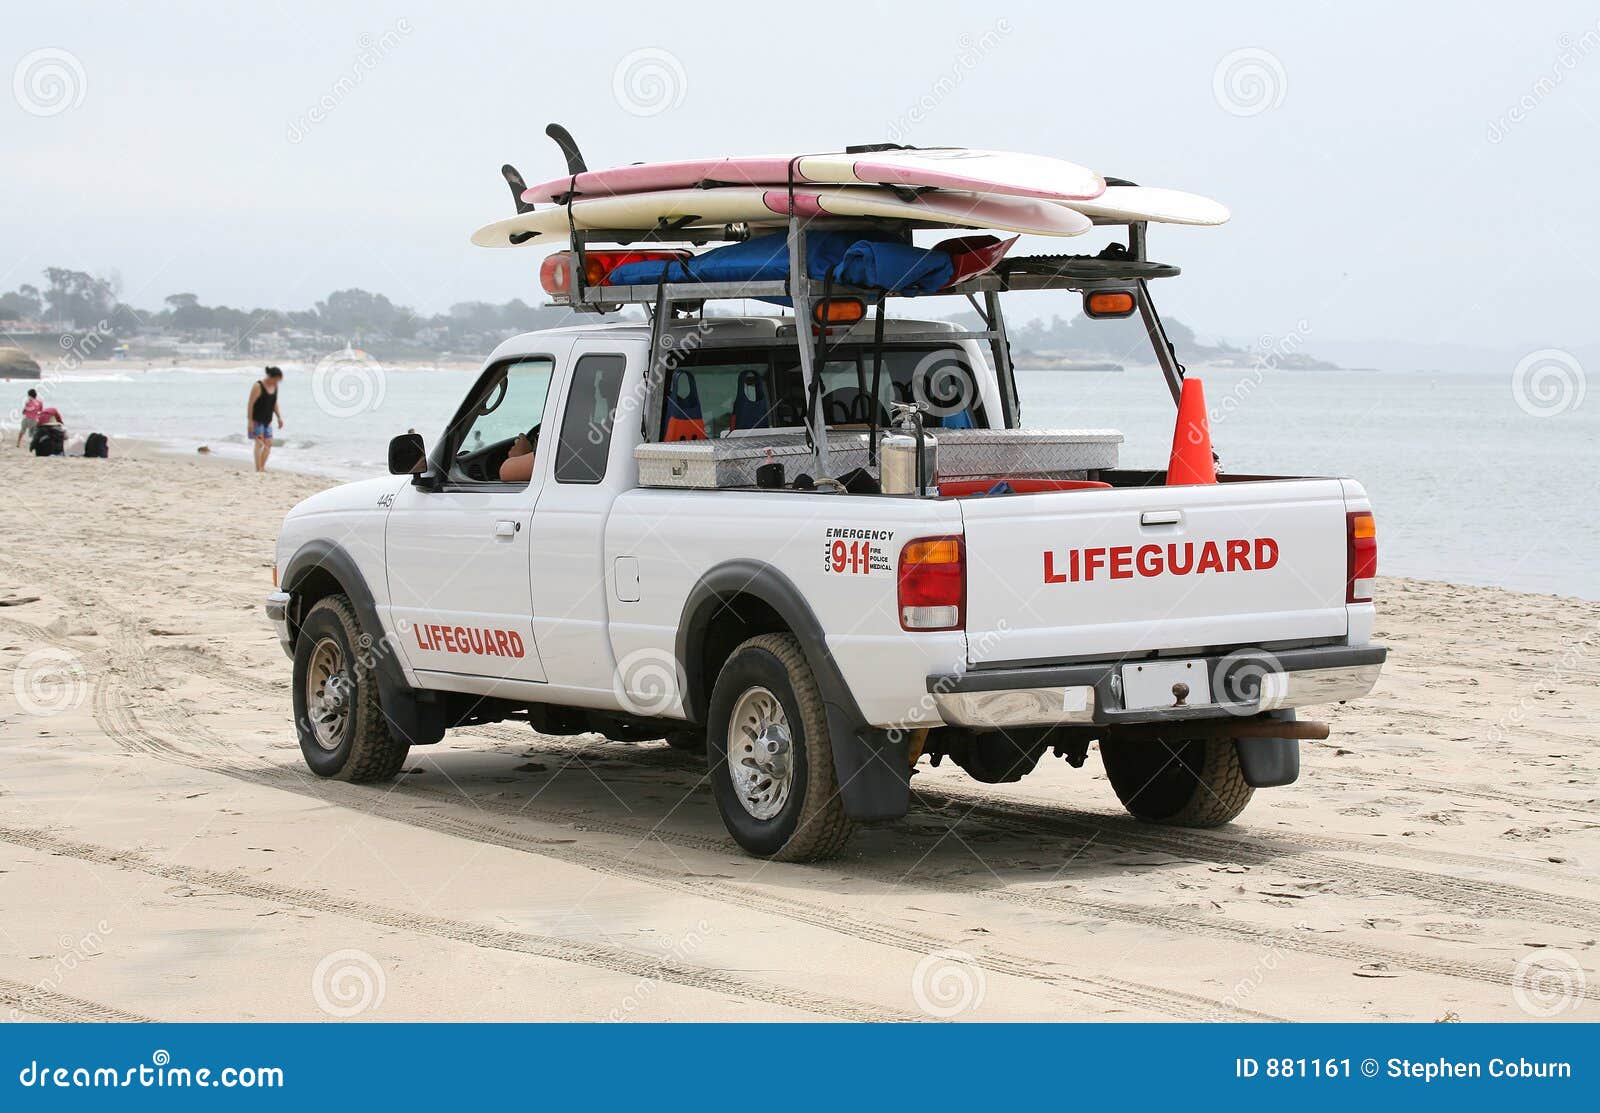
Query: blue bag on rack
<point>850,259</point>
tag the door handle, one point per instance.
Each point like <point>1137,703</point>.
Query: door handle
<point>505,530</point>
<point>1160,517</point>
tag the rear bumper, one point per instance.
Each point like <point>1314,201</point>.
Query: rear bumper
<point>1243,683</point>
<point>278,615</point>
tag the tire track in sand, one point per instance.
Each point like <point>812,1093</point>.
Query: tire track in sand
<point>22,1000</point>
<point>595,955</point>
<point>392,804</point>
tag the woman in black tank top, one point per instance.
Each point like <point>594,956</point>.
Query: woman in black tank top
<point>260,411</point>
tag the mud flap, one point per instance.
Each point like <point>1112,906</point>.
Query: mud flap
<point>418,717</point>
<point>1270,762</point>
<point>874,775</point>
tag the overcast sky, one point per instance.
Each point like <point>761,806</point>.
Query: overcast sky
<point>1393,172</point>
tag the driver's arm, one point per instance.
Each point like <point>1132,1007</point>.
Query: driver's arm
<point>518,464</point>
<point>517,469</point>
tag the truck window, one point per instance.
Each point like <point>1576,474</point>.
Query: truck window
<point>509,404</point>
<point>591,412</point>
<point>937,377</point>
<point>717,391</point>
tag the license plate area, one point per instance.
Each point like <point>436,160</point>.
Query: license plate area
<point>1149,684</point>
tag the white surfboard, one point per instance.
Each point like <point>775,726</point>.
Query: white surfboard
<point>955,168</point>
<point>755,205</point>
<point>960,168</point>
<point>1119,204</point>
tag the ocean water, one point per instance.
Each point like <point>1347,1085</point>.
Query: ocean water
<point>1469,486</point>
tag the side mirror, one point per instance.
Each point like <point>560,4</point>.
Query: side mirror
<point>407,454</point>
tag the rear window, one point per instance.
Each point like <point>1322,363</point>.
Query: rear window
<point>714,392</point>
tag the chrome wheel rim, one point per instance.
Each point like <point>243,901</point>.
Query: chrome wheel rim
<point>330,691</point>
<point>760,753</point>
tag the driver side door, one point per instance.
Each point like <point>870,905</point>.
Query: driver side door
<point>460,599</point>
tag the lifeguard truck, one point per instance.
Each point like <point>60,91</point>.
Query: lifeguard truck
<point>820,546</point>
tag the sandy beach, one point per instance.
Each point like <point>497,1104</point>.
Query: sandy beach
<point>164,854</point>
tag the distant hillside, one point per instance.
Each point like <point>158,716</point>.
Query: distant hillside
<point>1079,340</point>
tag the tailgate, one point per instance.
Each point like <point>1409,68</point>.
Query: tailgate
<point>1105,573</point>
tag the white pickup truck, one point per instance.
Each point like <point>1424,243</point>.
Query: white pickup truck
<point>815,639</point>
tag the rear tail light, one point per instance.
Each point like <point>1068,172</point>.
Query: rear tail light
<point>1362,564</point>
<point>933,584</point>
<point>555,273</point>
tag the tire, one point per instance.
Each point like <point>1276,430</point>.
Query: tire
<point>1197,783</point>
<point>356,744</point>
<point>806,821</point>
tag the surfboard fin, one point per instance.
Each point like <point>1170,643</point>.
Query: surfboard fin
<point>514,179</point>
<point>569,148</point>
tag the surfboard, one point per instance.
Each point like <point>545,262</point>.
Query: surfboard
<point>1119,204</point>
<point>954,168</point>
<point>755,205</point>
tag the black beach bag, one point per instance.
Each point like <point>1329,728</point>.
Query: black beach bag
<point>49,440</point>
<point>96,446</point>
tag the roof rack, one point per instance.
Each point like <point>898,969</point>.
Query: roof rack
<point>1122,267</point>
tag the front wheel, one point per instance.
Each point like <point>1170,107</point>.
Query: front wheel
<point>771,759</point>
<point>343,734</point>
<point>1197,783</point>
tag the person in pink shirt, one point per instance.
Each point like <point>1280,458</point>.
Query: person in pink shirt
<point>30,416</point>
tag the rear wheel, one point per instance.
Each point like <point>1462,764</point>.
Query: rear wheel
<point>1196,783</point>
<point>343,734</point>
<point>771,759</point>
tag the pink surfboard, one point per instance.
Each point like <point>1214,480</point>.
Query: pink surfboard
<point>954,168</point>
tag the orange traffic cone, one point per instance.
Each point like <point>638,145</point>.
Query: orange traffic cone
<point>1191,461</point>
